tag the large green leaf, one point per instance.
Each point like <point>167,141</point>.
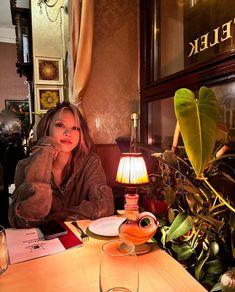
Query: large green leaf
<point>216,287</point>
<point>195,202</point>
<point>214,267</point>
<point>200,264</point>
<point>182,224</point>
<point>170,195</point>
<point>183,251</point>
<point>198,125</point>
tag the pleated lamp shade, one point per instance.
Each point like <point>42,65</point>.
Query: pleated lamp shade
<point>132,170</point>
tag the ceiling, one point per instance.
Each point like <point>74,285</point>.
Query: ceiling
<point>5,14</point>
<point>7,29</point>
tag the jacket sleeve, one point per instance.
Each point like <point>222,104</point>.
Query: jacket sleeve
<point>100,201</point>
<point>32,197</point>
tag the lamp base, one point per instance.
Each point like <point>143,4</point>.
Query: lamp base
<point>139,249</point>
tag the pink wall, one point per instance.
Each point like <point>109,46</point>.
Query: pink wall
<point>112,92</point>
<point>11,85</point>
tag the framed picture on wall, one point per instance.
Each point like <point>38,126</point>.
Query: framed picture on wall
<point>48,70</point>
<point>47,97</point>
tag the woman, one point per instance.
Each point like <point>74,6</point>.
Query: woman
<point>62,179</point>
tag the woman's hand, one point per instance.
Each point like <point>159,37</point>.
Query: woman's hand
<point>48,141</point>
<point>43,155</point>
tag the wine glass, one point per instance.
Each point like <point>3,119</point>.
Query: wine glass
<point>3,251</point>
<point>118,267</point>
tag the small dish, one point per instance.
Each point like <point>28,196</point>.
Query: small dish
<point>107,226</point>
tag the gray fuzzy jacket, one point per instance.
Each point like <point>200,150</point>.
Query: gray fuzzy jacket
<point>84,196</point>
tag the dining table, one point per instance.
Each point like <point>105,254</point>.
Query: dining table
<point>77,269</point>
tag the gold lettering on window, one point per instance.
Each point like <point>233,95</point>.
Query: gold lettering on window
<point>226,30</point>
<point>204,42</point>
<point>218,35</point>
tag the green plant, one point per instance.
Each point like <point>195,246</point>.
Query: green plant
<point>199,191</point>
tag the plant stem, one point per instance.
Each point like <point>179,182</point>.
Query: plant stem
<point>219,196</point>
<point>222,157</point>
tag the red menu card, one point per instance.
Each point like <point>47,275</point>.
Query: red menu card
<point>69,240</point>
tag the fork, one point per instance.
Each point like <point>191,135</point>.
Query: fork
<point>84,236</point>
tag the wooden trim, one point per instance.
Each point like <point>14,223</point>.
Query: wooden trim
<point>212,72</point>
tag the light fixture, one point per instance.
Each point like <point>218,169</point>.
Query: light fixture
<point>138,227</point>
<point>47,4</point>
<point>56,11</point>
<point>132,170</point>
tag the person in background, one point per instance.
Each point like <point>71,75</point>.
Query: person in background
<point>62,179</point>
<point>14,151</point>
<point>11,151</point>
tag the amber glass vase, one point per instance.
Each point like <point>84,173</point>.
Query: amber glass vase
<point>138,228</point>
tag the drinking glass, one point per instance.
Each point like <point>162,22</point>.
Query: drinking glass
<point>228,281</point>
<point>118,267</point>
<point>3,251</point>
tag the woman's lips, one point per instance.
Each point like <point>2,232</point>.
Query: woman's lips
<point>66,142</point>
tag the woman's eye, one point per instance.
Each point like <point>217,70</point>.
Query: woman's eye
<point>59,125</point>
<point>76,128</point>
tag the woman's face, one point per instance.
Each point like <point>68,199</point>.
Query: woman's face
<point>65,129</point>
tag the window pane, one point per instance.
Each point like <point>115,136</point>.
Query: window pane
<point>161,122</point>
<point>193,31</point>
<point>171,37</point>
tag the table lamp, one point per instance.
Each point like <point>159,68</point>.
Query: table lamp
<point>138,227</point>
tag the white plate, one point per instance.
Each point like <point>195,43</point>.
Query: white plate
<point>107,226</point>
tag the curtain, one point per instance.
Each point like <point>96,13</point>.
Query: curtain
<point>81,27</point>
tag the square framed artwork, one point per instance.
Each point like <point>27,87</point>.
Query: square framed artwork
<point>47,97</point>
<point>48,70</point>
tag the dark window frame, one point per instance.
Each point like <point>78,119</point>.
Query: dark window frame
<point>215,71</point>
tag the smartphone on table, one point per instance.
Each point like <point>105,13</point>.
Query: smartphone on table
<point>52,229</point>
